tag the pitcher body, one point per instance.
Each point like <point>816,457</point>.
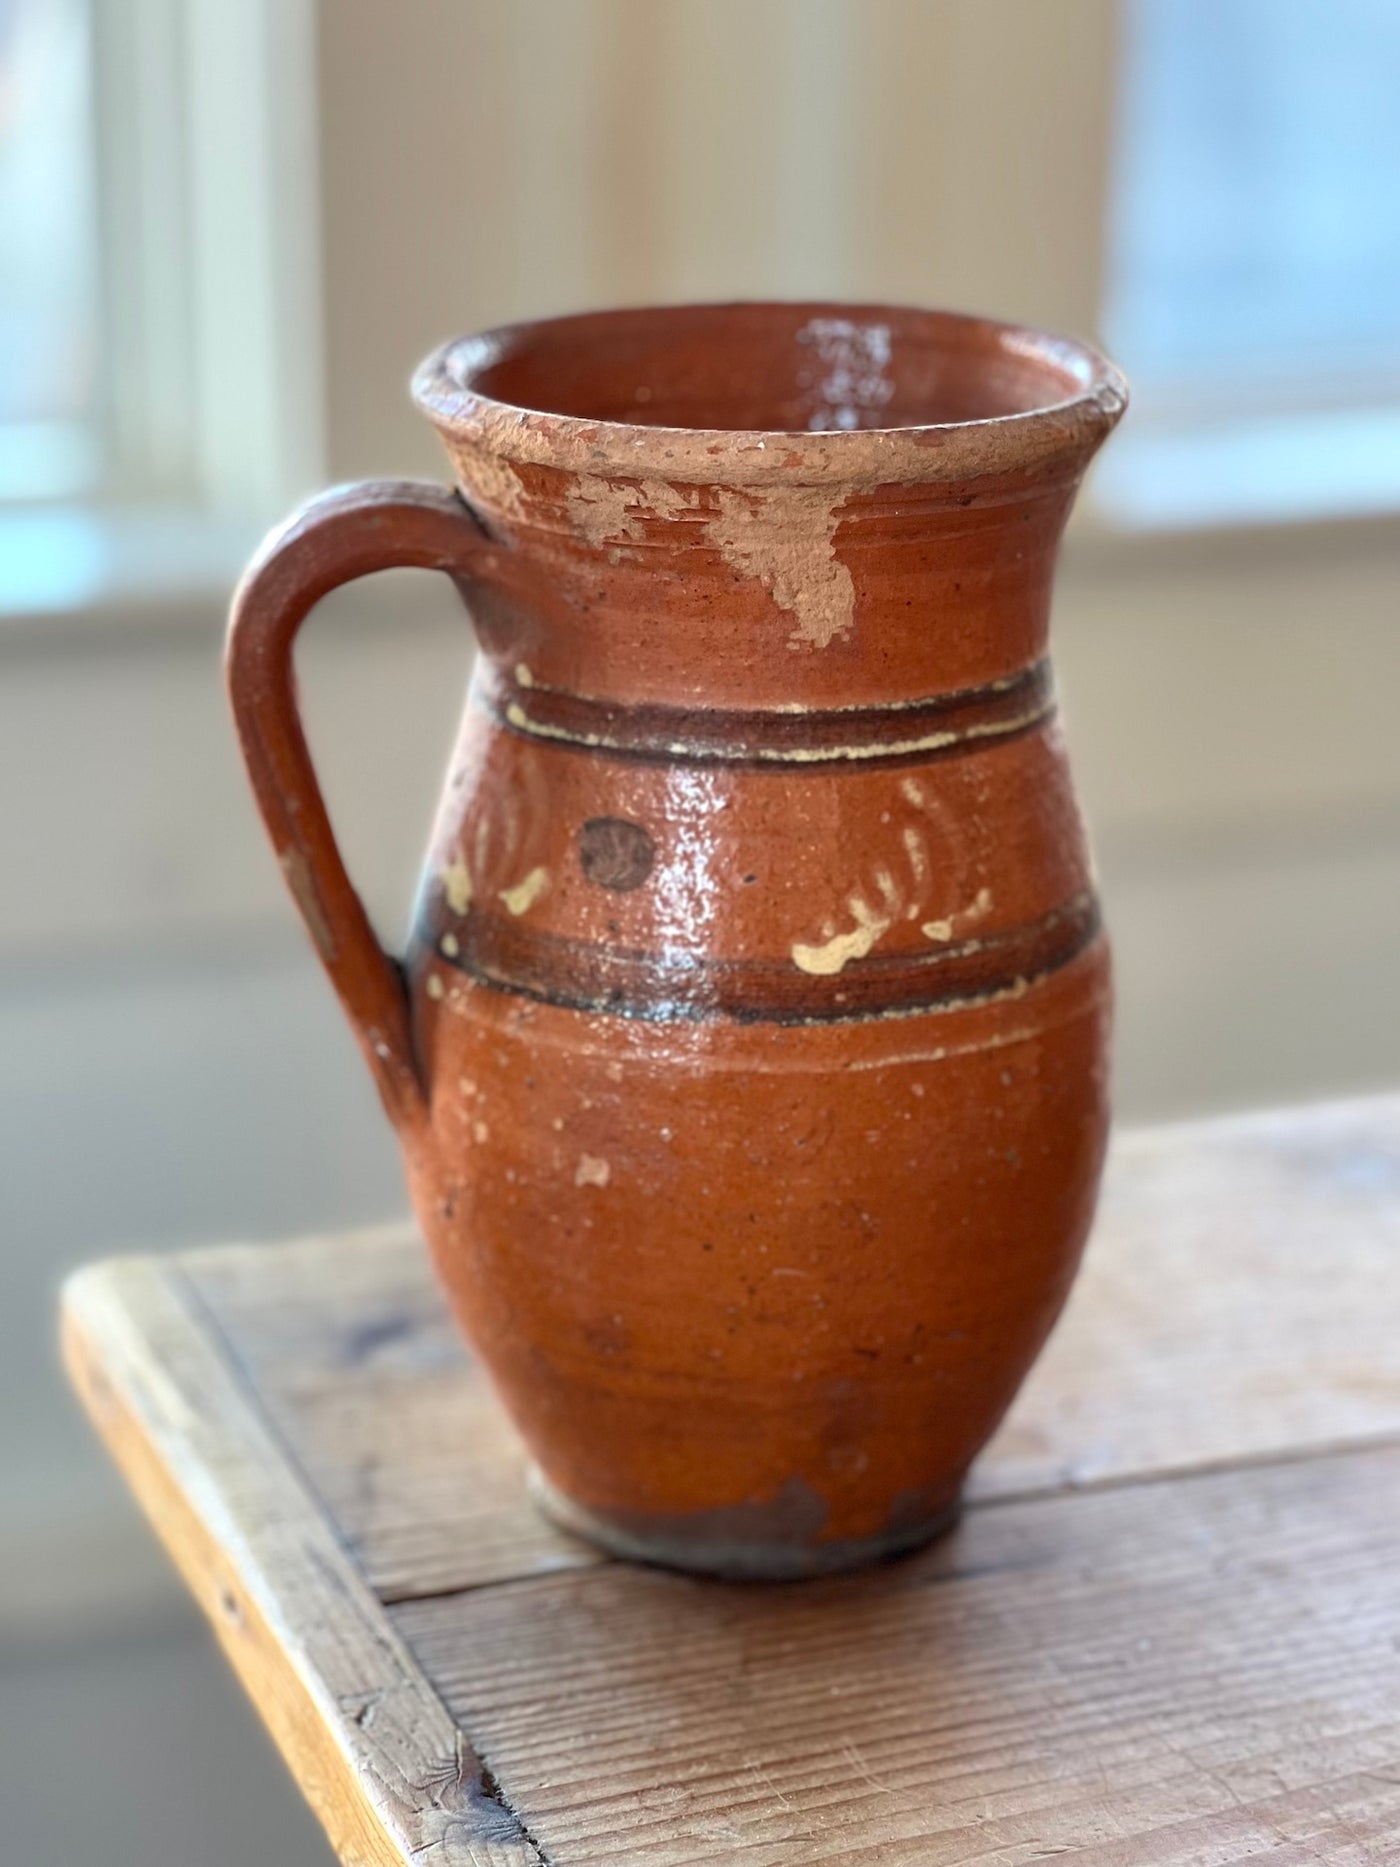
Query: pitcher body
<point>750,1050</point>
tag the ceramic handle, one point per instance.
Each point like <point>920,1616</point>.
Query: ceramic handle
<point>336,537</point>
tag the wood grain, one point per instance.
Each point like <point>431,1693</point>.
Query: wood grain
<point>1232,1307</point>
<point>1198,1671</point>
<point>379,1759</point>
<point>356,1359</point>
<point>1238,1301</point>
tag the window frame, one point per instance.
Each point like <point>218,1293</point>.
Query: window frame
<point>210,399</point>
<point>1189,425</point>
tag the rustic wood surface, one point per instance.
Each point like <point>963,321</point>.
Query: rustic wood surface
<point>1167,1631</point>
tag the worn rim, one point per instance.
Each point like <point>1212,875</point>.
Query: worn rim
<point>1073,425</point>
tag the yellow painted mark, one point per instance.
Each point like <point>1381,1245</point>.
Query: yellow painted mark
<point>449,945</point>
<point>480,1132</point>
<point>523,676</point>
<point>525,894</point>
<point>457,885</point>
<point>828,959</point>
<point>977,909</point>
<point>789,755</point>
<point>435,986</point>
<point>592,1171</point>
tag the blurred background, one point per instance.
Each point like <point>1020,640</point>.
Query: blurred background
<point>227,233</point>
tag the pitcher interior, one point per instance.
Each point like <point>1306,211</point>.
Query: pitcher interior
<point>786,368</point>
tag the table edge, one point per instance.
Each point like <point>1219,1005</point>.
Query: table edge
<point>352,1713</point>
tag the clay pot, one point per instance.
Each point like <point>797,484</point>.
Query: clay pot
<point>749,1056</point>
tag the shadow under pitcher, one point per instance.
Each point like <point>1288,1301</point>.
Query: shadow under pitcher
<point>749,1056</point>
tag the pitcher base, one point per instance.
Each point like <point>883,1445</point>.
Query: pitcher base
<point>734,1561</point>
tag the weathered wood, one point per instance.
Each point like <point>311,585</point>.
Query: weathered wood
<point>354,1355</point>
<point>1231,1307</point>
<point>1173,1640</point>
<point>1238,1301</point>
<point>377,1756</point>
<point>1198,1671</point>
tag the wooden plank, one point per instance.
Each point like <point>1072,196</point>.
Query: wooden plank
<point>1177,1674</point>
<point>1232,1308</point>
<point>1238,1302</point>
<point>377,1756</point>
<point>356,1358</point>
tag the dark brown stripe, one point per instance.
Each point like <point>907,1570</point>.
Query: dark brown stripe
<point>911,733</point>
<point>666,989</point>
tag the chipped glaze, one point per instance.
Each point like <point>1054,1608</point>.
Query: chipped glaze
<point>785,540</point>
<point>749,1055</point>
<point>610,512</point>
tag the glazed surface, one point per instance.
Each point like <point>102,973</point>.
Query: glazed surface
<point>769,1102</point>
<point>786,1279</point>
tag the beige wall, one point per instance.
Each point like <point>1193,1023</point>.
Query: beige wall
<point>563,153</point>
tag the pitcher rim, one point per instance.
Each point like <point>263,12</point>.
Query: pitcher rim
<point>1065,430</point>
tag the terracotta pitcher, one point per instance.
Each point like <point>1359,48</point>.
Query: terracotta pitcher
<point>749,1053</point>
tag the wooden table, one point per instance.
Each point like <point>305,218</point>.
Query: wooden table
<point>1168,1629</point>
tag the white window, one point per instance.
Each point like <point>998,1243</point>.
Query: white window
<point>48,251</point>
<point>159,313</point>
<point>1253,265</point>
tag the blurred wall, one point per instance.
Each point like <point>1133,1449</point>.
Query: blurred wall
<point>172,1066</point>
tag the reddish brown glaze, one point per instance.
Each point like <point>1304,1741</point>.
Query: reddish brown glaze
<point>749,1057</point>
